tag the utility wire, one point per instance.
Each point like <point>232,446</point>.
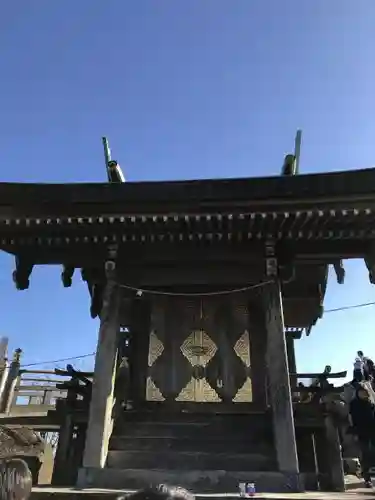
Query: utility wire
<point>346,308</point>
<point>142,291</point>
<point>91,354</point>
<point>54,361</point>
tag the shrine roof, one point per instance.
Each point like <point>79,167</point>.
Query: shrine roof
<point>336,189</point>
<point>314,212</point>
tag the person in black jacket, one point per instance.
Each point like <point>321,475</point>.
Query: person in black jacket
<point>362,412</point>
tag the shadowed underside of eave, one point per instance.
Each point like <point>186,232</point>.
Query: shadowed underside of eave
<point>319,233</point>
<point>316,222</point>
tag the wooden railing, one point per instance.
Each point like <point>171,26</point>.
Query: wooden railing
<point>35,392</point>
<point>319,388</point>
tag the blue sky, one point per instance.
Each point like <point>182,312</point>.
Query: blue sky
<point>183,89</point>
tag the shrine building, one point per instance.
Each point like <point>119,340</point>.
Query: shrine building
<point>202,286</point>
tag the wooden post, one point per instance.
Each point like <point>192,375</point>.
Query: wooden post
<point>333,450</point>
<point>61,466</point>
<point>11,382</point>
<point>101,407</point>
<point>291,359</point>
<point>307,457</point>
<point>4,368</point>
<point>278,377</point>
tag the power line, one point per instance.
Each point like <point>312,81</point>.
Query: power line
<point>142,291</point>
<point>346,308</point>
<point>91,354</point>
<point>53,361</point>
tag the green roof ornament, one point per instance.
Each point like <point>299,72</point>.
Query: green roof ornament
<point>114,172</point>
<point>291,161</point>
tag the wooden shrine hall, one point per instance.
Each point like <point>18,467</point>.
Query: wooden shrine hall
<point>196,284</point>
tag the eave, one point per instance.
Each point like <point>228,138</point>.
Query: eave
<point>316,233</point>
<point>338,190</point>
<point>312,208</point>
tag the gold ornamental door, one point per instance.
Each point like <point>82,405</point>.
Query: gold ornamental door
<point>199,352</point>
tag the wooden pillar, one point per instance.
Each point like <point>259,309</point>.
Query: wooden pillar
<point>61,467</point>
<point>140,326</point>
<point>291,353</point>
<point>333,450</point>
<point>307,458</point>
<point>291,358</point>
<point>78,447</point>
<point>322,460</point>
<point>279,385</point>
<point>101,407</point>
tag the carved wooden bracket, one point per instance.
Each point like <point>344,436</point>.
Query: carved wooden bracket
<point>338,266</point>
<point>370,263</point>
<point>67,275</point>
<point>287,273</point>
<point>98,279</point>
<point>271,260</point>
<point>22,273</point>
<point>96,299</point>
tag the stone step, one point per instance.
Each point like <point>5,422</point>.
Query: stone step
<point>218,422</point>
<point>165,459</point>
<point>185,416</point>
<point>210,444</point>
<point>202,481</point>
<point>197,430</point>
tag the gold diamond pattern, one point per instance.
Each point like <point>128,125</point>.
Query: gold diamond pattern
<point>188,392</point>
<point>242,348</point>
<point>156,348</point>
<point>245,393</point>
<point>199,348</point>
<point>153,393</point>
<point>198,391</point>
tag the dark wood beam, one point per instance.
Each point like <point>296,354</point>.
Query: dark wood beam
<point>326,375</point>
<point>80,254</point>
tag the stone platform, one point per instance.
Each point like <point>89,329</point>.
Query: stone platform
<point>48,493</point>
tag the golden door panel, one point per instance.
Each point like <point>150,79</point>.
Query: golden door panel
<point>192,357</point>
<point>242,349</point>
<point>199,349</point>
<point>155,350</point>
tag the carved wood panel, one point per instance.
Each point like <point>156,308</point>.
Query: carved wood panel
<point>199,351</point>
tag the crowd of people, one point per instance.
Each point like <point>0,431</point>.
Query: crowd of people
<point>362,413</point>
<point>364,368</point>
<point>359,398</point>
<point>16,483</point>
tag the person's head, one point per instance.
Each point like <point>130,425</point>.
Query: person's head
<point>15,480</point>
<point>363,394</point>
<point>328,369</point>
<point>360,354</point>
<point>161,492</point>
